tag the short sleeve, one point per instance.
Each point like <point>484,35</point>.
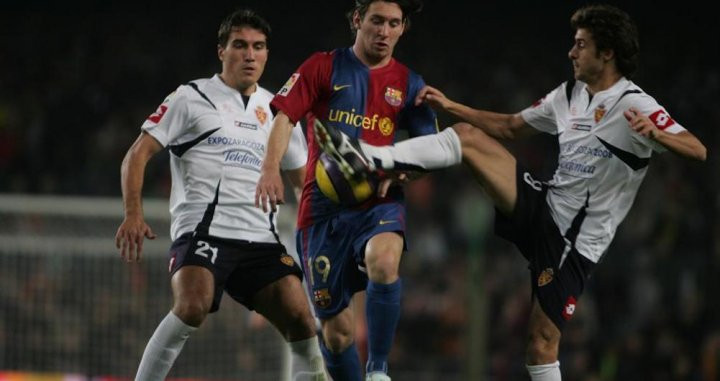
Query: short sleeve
<point>647,105</point>
<point>418,120</point>
<point>170,119</point>
<point>541,115</point>
<point>304,87</point>
<point>296,154</point>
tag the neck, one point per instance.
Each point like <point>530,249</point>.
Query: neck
<point>370,62</point>
<point>603,82</point>
<point>247,91</point>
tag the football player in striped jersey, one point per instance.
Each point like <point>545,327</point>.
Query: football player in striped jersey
<point>365,92</point>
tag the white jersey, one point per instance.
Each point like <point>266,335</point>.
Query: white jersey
<point>217,145</point>
<point>602,161</point>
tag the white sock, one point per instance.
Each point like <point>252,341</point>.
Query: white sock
<point>307,361</point>
<point>427,152</point>
<point>163,348</point>
<point>545,372</point>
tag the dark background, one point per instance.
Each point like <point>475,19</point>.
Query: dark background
<point>78,80</point>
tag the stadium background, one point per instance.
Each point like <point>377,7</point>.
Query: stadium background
<point>77,80</point>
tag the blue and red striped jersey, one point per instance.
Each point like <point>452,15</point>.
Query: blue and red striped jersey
<point>372,105</point>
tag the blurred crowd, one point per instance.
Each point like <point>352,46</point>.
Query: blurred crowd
<point>78,82</point>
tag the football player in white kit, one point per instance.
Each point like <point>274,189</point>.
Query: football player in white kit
<point>216,130</point>
<point>607,128</point>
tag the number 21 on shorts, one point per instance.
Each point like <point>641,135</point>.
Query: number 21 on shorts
<point>205,250</point>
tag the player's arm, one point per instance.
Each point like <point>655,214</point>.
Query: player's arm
<point>497,125</point>
<point>270,186</point>
<point>297,179</point>
<point>133,230</point>
<point>683,143</point>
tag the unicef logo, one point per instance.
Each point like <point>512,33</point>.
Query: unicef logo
<point>386,126</point>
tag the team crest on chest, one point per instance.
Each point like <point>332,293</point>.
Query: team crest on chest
<point>260,114</point>
<point>599,113</point>
<point>393,96</point>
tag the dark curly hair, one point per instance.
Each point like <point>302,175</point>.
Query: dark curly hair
<point>242,17</point>
<point>612,29</point>
<point>408,7</point>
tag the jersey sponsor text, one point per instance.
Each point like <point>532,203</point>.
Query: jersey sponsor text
<point>227,141</point>
<point>243,159</point>
<point>384,124</point>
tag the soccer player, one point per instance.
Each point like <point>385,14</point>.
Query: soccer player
<point>365,92</point>
<point>216,130</point>
<point>607,128</point>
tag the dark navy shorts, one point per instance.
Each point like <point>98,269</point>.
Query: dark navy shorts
<point>333,253</point>
<point>241,268</point>
<point>558,273</point>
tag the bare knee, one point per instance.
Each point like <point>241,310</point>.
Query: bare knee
<point>463,130</point>
<point>476,143</point>
<point>544,337</point>
<point>300,325</point>
<point>382,267</point>
<point>284,303</point>
<point>471,137</point>
<point>543,344</point>
<point>338,333</point>
<point>193,291</point>
<point>382,257</point>
<point>337,341</point>
<point>192,311</point>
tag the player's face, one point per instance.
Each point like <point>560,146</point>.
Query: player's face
<point>588,63</point>
<point>378,31</point>
<point>243,58</point>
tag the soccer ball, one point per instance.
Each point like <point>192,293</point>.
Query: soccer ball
<point>337,188</point>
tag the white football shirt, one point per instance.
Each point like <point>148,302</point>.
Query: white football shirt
<point>217,145</point>
<point>602,161</point>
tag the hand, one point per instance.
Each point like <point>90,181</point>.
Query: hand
<point>130,236</point>
<point>641,123</point>
<point>396,177</point>
<point>433,97</point>
<point>269,189</point>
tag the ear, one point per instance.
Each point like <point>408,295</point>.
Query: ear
<point>607,55</point>
<point>356,20</point>
<point>221,52</point>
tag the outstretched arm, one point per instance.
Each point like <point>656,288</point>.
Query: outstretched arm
<point>131,233</point>
<point>497,125</point>
<point>270,186</point>
<point>684,143</point>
